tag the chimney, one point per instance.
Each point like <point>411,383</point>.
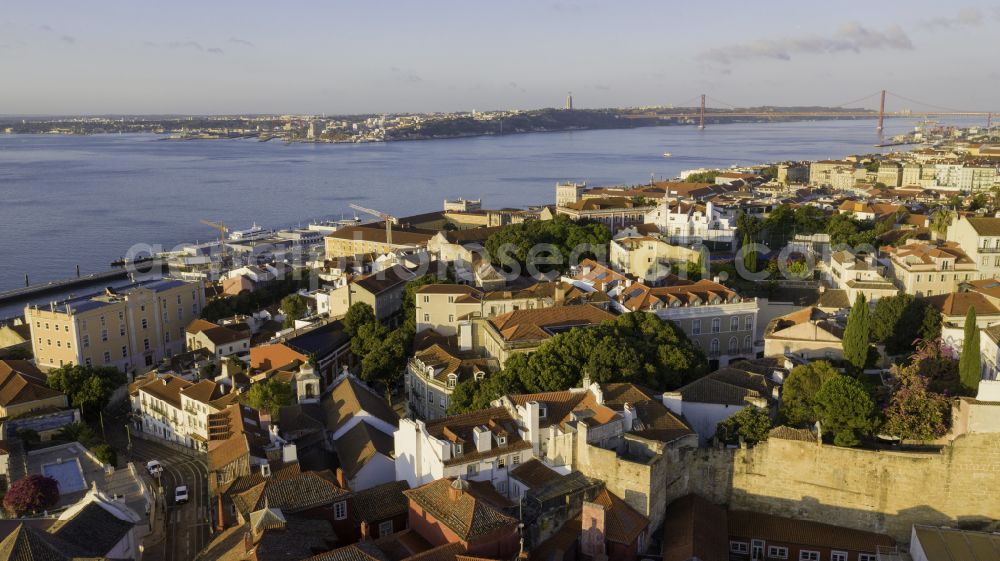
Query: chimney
<point>560,293</point>
<point>674,402</point>
<point>365,532</point>
<point>482,436</point>
<point>221,514</point>
<point>289,454</point>
<point>340,479</point>
<point>457,489</point>
<point>247,541</point>
<point>265,470</point>
<point>629,416</point>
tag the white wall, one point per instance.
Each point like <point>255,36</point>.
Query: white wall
<point>378,470</point>
<point>704,417</point>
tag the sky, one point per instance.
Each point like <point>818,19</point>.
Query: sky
<point>377,56</point>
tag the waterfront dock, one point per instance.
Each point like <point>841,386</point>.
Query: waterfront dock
<point>41,289</point>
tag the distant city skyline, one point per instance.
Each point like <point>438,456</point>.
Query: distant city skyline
<point>182,57</point>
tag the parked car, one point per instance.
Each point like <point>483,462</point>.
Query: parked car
<point>154,468</point>
<point>181,494</point>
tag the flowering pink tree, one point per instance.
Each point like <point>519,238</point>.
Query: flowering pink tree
<point>31,494</point>
<point>915,412</point>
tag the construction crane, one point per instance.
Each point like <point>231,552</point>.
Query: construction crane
<point>389,220</point>
<point>223,230</point>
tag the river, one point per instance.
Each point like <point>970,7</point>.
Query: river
<point>84,200</point>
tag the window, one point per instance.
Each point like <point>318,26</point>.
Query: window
<point>88,362</point>
<point>696,326</point>
<point>145,324</point>
<point>501,440</point>
<point>452,380</point>
<point>515,459</point>
<point>451,299</point>
<point>734,324</point>
<point>427,299</point>
<point>501,462</point>
<point>747,343</point>
<point>107,357</point>
<point>716,325</point>
<point>472,469</point>
<point>340,510</point>
<point>121,316</point>
<point>145,344</point>
<point>501,487</point>
<point>104,335</point>
<point>748,323</point>
<point>124,351</point>
<point>427,317</point>
<point>121,330</point>
<point>451,318</point>
<point>739,547</point>
<point>734,345</point>
<point>841,556</point>
<point>714,347</point>
<point>864,557</point>
<point>777,552</point>
<point>385,528</point>
<point>806,555</point>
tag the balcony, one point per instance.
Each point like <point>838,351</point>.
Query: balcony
<point>989,249</point>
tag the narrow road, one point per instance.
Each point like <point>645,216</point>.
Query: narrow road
<point>187,525</point>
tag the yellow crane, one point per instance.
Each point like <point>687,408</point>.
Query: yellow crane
<point>389,220</point>
<point>223,230</point>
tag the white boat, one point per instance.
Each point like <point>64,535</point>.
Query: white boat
<point>667,154</point>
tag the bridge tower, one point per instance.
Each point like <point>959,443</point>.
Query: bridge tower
<point>701,115</point>
<point>881,111</point>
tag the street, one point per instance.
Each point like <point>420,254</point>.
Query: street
<point>187,525</point>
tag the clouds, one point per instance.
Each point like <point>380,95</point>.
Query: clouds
<point>966,17</point>
<point>405,76</point>
<point>241,42</point>
<point>189,45</point>
<point>851,37</point>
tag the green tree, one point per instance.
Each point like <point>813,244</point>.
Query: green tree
<point>800,388</point>
<point>269,395</point>
<point>914,412</point>
<point>511,246</point>
<point>845,409</point>
<point>88,388</point>
<point>749,255</point>
<point>293,307</point>
<point>386,359</point>
<point>750,423</point>
<point>969,365</point>
<point>77,432</point>
<point>856,334</point>
<point>358,315</point>
<point>106,454</point>
<point>749,225</point>
<point>470,395</point>
<point>898,321</point>
<point>703,176</point>
<point>208,372</point>
<point>941,220</point>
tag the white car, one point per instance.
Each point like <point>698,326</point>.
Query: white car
<point>181,494</point>
<point>154,468</point>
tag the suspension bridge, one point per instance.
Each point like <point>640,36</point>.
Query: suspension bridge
<point>720,110</point>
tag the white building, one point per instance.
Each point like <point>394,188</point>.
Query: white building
<point>690,223</point>
<point>177,410</point>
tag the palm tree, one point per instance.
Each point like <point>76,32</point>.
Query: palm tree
<point>940,221</point>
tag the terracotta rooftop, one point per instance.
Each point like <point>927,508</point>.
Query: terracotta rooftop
<point>534,473</point>
<point>727,386</point>
<point>379,502</point>
<point>468,516</point>
<point>566,406</point>
<point>541,323</point>
<point>622,523</point>
<point>349,398</point>
<point>770,528</point>
<point>22,382</point>
<point>458,429</point>
<point>694,528</point>
<point>294,494</point>
<point>359,445</point>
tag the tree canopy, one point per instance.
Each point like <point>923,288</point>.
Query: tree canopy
<point>856,334</point>
<point>512,245</point>
<point>898,321</point>
<point>293,307</point>
<point>87,387</point>
<point>383,353</point>
<point>269,395</point>
<point>845,229</point>
<point>914,412</point>
<point>800,388</point>
<point>969,366</point>
<point>845,409</point>
<point>248,302</point>
<point>750,423</point>
<point>31,494</point>
<point>636,347</point>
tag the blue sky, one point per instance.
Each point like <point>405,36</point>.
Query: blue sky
<point>182,56</point>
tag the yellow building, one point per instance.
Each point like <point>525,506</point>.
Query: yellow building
<point>129,329</point>
<point>370,240</point>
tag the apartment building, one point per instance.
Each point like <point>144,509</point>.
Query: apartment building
<point>926,268</point>
<point>444,307</point>
<point>217,339</point>
<point>176,410</point>
<point>647,257</point>
<point>809,333</point>
<point>613,212</point>
<point>839,174</point>
<point>433,373</point>
<point>130,328</point>
<point>970,177</point>
<point>523,331</point>
<point>979,237</point>
<point>478,446</point>
<point>357,242</point>
<point>860,274</point>
<point>714,317</point>
<point>383,291</point>
<point>688,223</point>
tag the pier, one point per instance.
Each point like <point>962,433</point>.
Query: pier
<point>41,289</point>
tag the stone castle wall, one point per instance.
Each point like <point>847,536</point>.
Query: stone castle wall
<point>884,491</point>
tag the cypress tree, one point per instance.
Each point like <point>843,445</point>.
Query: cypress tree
<point>856,335</point>
<point>749,257</point>
<point>968,362</point>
